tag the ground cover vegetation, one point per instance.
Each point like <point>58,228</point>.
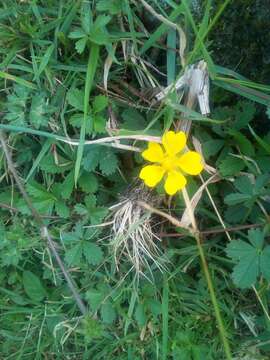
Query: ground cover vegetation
<point>134,179</point>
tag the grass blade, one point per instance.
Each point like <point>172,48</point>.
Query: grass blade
<point>165,318</point>
<point>91,70</point>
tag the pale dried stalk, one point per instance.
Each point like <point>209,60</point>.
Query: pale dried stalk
<point>182,35</point>
<point>133,237</point>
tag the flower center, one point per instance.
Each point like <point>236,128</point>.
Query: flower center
<point>169,163</point>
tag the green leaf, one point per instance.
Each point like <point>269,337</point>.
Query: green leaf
<point>92,253</point>
<point>75,98</point>
<point>62,209</point>
<point>67,185</point>
<point>91,160</point>
<point>48,164</point>
<point>243,143</point>
<point>244,185</point>
<point>94,297</point>
<point>108,313</point>
<point>77,34</point>
<point>88,182</point>
<point>108,162</point>
<point>38,191</point>
<point>234,199</point>
<point>265,145</point>
<point>251,259</point>
<point>264,262</point>
<point>33,287</point>
<point>77,121</point>
<point>73,256</point>
<point>38,115</point>
<point>140,315</point>
<point>256,237</point>
<point>231,166</point>
<point>245,112</point>
<point>81,44</point>
<point>86,16</point>
<point>239,248</point>
<point>100,103</point>
<point>99,124</point>
<point>133,120</point>
<point>246,271</point>
<point>212,147</point>
<point>97,214</point>
<point>113,6</point>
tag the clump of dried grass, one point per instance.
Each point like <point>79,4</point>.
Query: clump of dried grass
<point>133,238</point>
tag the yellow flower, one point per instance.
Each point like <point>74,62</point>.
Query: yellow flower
<point>170,162</point>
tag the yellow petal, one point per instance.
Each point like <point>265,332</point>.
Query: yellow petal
<point>154,153</point>
<point>174,142</point>
<point>152,174</point>
<point>191,163</point>
<point>174,182</point>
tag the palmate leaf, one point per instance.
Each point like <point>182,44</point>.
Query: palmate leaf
<point>252,260</point>
<point>92,253</point>
<point>246,271</point>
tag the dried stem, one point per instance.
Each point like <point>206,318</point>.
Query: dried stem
<point>196,235</point>
<point>182,36</point>
<point>43,228</point>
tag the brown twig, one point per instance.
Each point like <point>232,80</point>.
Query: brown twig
<point>215,231</point>
<point>43,228</point>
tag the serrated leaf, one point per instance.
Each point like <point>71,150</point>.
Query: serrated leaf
<point>239,248</point>
<point>92,253</point>
<point>80,209</point>
<point>212,147</point>
<point>33,287</point>
<point>76,120</point>
<point>231,166</point>
<point>243,185</point>
<point>94,298</point>
<point>261,181</point>
<point>99,124</point>
<point>133,120</point>
<point>97,214</point>
<point>264,262</point>
<point>242,142</point>
<point>17,104</point>
<point>88,182</point>
<point>38,191</point>
<point>62,209</point>
<point>86,17</point>
<point>256,237</point>
<point>113,6</point>
<point>91,159</point>
<point>100,103</point>
<point>75,98</point>
<point>108,162</point>
<point>245,112</point>
<point>140,315</point>
<point>108,313</point>
<point>49,165</point>
<point>81,44</point>
<point>237,198</point>
<point>39,112</point>
<point>67,185</point>
<point>246,271</point>
<point>77,34</point>
<point>73,256</point>
<point>90,201</point>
